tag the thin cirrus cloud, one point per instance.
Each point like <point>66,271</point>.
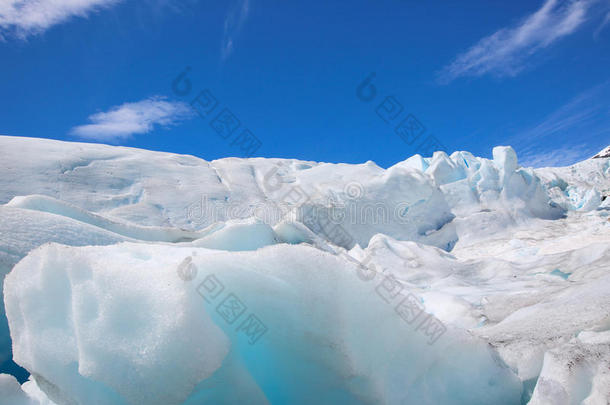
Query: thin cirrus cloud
<point>23,18</point>
<point>232,26</point>
<point>127,119</point>
<point>582,125</point>
<point>563,156</point>
<point>603,25</point>
<point>504,53</point>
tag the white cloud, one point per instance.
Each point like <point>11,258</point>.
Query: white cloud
<point>232,26</point>
<point>133,118</point>
<point>504,52</point>
<point>26,17</point>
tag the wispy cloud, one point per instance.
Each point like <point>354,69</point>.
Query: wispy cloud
<point>504,52</point>
<point>26,17</point>
<point>581,127</point>
<point>603,25</point>
<point>564,156</point>
<point>232,26</point>
<point>122,121</point>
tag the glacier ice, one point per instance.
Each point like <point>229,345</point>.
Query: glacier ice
<point>154,333</point>
<point>158,331</point>
<point>111,257</point>
<point>12,393</point>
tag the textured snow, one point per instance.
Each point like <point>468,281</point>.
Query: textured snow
<point>604,153</point>
<point>106,249</point>
<point>578,187</point>
<point>183,192</point>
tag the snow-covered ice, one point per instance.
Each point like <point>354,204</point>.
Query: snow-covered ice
<point>138,277</point>
<point>156,331</point>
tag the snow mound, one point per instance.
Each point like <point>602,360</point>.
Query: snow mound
<point>577,372</point>
<point>106,332</point>
<point>23,230</point>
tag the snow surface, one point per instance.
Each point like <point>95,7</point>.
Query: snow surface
<point>604,153</point>
<point>118,262</point>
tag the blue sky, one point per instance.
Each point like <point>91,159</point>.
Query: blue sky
<point>469,75</point>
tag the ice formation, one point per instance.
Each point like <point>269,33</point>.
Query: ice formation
<point>135,277</point>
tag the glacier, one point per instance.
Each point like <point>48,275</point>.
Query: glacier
<point>140,277</point>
